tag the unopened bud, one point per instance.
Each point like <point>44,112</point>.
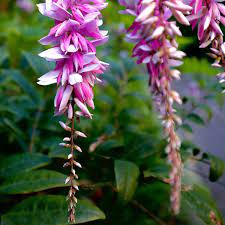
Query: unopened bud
<point>66,139</point>
<point>64,126</point>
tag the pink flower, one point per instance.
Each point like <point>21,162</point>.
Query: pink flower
<point>208,15</point>
<point>75,36</point>
<point>147,30</point>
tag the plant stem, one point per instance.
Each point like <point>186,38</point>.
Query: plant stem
<point>73,188</point>
<point>148,213</point>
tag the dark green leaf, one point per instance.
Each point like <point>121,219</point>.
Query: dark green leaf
<point>217,167</point>
<point>200,202</point>
<point>32,181</point>
<point>16,131</point>
<point>22,162</point>
<point>50,209</point>
<point>186,127</point>
<point>23,83</point>
<point>4,55</point>
<point>110,144</point>
<point>196,151</point>
<point>127,174</point>
<point>38,64</point>
<point>205,155</point>
<point>59,153</point>
<point>14,128</point>
<point>207,109</point>
<point>158,169</point>
<point>195,118</point>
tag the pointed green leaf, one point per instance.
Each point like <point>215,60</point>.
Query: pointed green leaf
<point>207,109</point>
<point>217,167</point>
<point>26,85</point>
<point>38,64</point>
<point>4,54</point>
<point>22,162</point>
<point>32,181</point>
<point>158,169</point>
<point>127,174</point>
<point>195,118</point>
<point>50,210</point>
<point>186,127</point>
<point>59,153</point>
<point>200,202</point>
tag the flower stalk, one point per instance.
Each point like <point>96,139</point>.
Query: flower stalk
<point>73,187</point>
<point>72,163</point>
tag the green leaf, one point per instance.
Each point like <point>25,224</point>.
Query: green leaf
<point>39,65</point>
<point>196,151</point>
<point>59,153</point>
<point>14,128</point>
<point>207,109</point>
<point>4,54</point>
<point>184,41</point>
<point>198,66</point>
<point>32,181</point>
<point>22,162</point>
<point>27,86</point>
<point>217,167</point>
<point>50,210</point>
<point>16,131</point>
<point>110,144</point>
<point>158,168</point>
<point>200,202</point>
<point>186,127</point>
<point>127,174</point>
<point>195,118</point>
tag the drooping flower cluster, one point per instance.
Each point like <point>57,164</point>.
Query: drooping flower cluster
<point>74,37</point>
<point>208,15</point>
<point>154,35</point>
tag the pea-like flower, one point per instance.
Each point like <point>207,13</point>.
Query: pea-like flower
<point>208,16</point>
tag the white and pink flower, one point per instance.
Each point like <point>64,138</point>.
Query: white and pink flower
<point>75,36</point>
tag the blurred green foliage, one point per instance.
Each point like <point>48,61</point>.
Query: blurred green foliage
<point>125,171</point>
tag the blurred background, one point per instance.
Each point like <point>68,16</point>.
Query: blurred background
<point>124,179</point>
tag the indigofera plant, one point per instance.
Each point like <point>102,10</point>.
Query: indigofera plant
<point>75,36</point>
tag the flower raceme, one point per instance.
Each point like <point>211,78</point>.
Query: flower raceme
<point>74,37</point>
<point>208,15</point>
<point>154,36</point>
<point>74,53</point>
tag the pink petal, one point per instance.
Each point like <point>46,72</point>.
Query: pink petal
<point>65,98</point>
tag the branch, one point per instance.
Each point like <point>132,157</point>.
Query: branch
<point>147,212</point>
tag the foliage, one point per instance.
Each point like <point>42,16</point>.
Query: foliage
<point>124,179</point>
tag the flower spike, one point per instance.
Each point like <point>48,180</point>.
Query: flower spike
<point>74,38</point>
<point>154,36</point>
